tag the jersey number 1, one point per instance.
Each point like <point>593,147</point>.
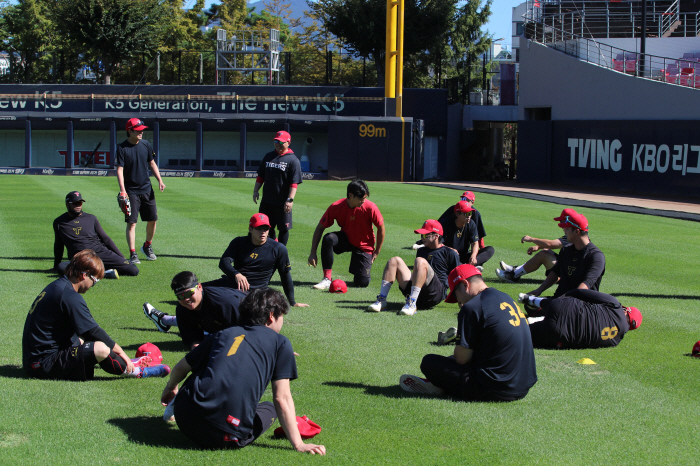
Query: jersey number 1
<point>236,343</point>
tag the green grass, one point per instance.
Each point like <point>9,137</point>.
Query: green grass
<point>637,405</point>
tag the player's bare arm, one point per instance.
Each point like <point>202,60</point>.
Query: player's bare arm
<point>284,405</point>
<point>242,282</point>
<point>318,233</point>
<point>177,375</point>
<point>120,179</point>
<point>463,355</point>
<point>290,199</point>
<point>549,281</point>
<point>156,173</point>
<point>381,234</point>
<point>256,191</point>
<point>542,243</point>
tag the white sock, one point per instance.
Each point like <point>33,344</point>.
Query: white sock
<point>386,286</point>
<point>415,291</point>
<point>135,373</point>
<point>519,271</point>
<point>169,320</point>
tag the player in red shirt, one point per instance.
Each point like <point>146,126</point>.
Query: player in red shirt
<point>355,215</point>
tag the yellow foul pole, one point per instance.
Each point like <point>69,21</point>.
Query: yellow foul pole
<point>390,67</point>
<point>399,64</point>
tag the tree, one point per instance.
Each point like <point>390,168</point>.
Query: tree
<point>31,33</point>
<point>110,31</point>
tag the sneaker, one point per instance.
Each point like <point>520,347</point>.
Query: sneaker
<point>134,259</point>
<point>479,268</point>
<point>323,284</point>
<point>155,315</point>
<point>111,273</point>
<point>524,298</point>
<point>409,308</point>
<point>143,361</point>
<point>448,336</point>
<point>148,252</point>
<point>379,305</point>
<point>506,267</point>
<point>415,384</point>
<point>161,370</point>
<point>507,276</point>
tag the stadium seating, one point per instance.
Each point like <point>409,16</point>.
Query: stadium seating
<point>626,63</point>
<point>686,77</point>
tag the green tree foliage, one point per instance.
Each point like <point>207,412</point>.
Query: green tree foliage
<point>108,32</point>
<point>31,33</point>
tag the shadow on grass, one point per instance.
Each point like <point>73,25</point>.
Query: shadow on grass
<point>659,296</point>
<point>27,258</point>
<point>173,346</point>
<point>46,272</point>
<point>392,391</point>
<point>182,256</point>
<point>10,371</point>
<point>153,431</point>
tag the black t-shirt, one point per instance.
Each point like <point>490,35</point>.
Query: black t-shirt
<point>59,314</point>
<point>579,266</point>
<point>279,172</point>
<point>135,158</point>
<point>219,310</point>
<point>476,218</point>
<point>443,260</point>
<point>256,263</point>
<point>230,371</point>
<point>494,327</point>
<point>460,239</point>
<point>77,233</point>
<point>587,319</point>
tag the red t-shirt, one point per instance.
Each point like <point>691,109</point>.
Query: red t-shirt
<point>355,223</point>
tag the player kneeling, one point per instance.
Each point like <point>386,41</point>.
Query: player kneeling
<point>219,406</point>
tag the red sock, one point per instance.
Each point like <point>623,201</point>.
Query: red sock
<point>327,273</point>
<point>133,251</point>
<point>147,243</point>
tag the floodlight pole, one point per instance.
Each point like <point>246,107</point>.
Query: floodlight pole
<point>643,39</point>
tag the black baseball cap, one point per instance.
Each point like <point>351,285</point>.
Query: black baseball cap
<point>74,196</point>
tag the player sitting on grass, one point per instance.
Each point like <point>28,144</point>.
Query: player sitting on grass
<point>61,339</point>
<point>201,309</point>
<point>426,286</point>
<point>580,264</point>
<point>249,261</point>
<point>76,231</point>
<point>493,359</point>
<point>460,234</point>
<point>219,405</point>
<point>580,319</point>
<point>355,216</point>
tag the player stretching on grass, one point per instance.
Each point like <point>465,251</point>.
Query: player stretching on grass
<point>201,309</point>
<point>426,286</point>
<point>219,405</point>
<point>493,359</point>
<point>355,216</point>
<point>61,339</point>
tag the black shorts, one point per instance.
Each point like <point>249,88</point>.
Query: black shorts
<point>430,295</point>
<point>144,204</point>
<point>360,261</point>
<point>74,363</point>
<point>278,217</point>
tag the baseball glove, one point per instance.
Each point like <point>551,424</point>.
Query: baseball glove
<point>124,204</point>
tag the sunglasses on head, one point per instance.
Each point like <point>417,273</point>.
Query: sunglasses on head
<point>262,228</point>
<point>182,295</point>
<point>570,222</point>
<point>277,141</point>
<point>94,280</point>
<point>429,235</point>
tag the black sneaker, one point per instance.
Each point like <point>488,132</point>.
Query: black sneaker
<point>134,258</point>
<point>148,252</point>
<point>507,276</point>
<point>155,315</point>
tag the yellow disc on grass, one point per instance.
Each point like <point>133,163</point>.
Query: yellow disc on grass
<point>585,361</point>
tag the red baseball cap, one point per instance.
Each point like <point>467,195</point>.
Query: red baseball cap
<point>459,274</point>
<point>338,286</point>
<point>282,136</point>
<point>571,218</point>
<point>634,317</point>
<point>463,206</point>
<point>696,350</point>
<point>135,124</point>
<point>149,349</point>
<point>469,195</point>
<point>307,428</point>
<point>430,226</point>
<point>258,220</point>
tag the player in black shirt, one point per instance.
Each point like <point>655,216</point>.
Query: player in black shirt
<point>202,309</point>
<point>279,174</point>
<point>219,404</point>
<point>460,234</point>
<point>76,231</point>
<point>249,261</point>
<point>580,264</point>
<point>582,319</point>
<point>493,359</point>
<point>426,286</point>
<point>61,339</point>
<point>134,157</point>
<point>545,257</point>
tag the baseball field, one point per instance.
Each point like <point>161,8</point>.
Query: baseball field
<point>637,405</point>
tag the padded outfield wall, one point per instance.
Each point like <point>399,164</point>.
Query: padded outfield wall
<point>337,132</point>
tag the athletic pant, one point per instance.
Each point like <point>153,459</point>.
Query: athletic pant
<point>482,256</point>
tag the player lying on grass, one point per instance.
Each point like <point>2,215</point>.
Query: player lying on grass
<point>202,308</point>
<point>76,231</point>
<point>580,264</point>
<point>219,404</point>
<point>61,339</point>
<point>580,319</point>
<point>249,261</point>
<point>426,286</point>
<point>355,216</point>
<point>493,359</point>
